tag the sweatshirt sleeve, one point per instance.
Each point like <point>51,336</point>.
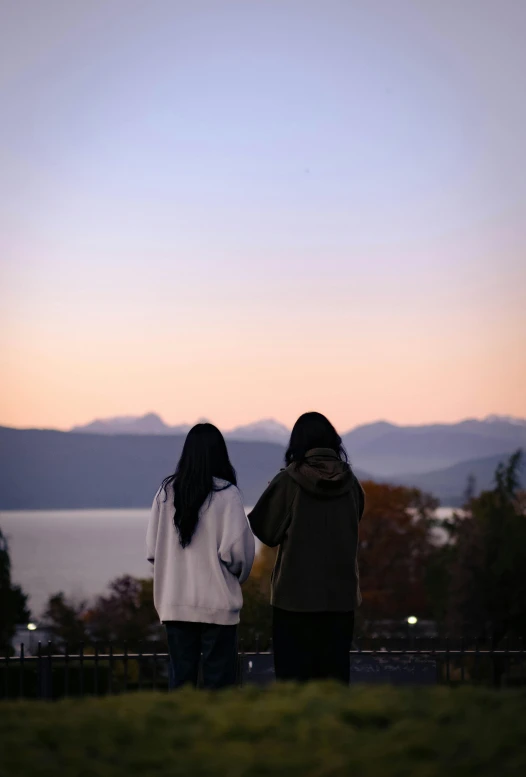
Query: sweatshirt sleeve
<point>153,526</point>
<point>270,517</point>
<point>237,556</point>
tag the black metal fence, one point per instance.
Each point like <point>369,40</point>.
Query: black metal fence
<point>99,670</point>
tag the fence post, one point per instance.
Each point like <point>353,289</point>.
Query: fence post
<point>110,676</point>
<point>7,666</point>
<point>494,660</point>
<point>66,669</point>
<point>81,665</point>
<point>96,670</point>
<point>477,656</point>
<point>241,661</point>
<point>506,663</point>
<point>40,678</point>
<point>48,674</point>
<point>21,676</point>
<point>125,666</point>
<point>462,660</point>
<point>438,665</point>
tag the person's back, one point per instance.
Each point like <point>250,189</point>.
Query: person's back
<point>312,510</point>
<point>202,549</point>
<point>322,503</point>
<point>201,582</point>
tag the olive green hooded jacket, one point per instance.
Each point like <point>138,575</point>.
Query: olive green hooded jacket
<point>312,511</point>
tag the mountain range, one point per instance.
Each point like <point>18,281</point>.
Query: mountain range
<point>389,450</point>
<point>47,469</point>
<point>266,430</point>
<point>382,448</point>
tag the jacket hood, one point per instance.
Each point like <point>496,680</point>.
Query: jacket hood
<point>322,473</point>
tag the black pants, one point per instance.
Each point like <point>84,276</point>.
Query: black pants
<point>218,646</point>
<point>312,645</point>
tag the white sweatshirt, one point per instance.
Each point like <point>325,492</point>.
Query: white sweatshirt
<point>202,582</point>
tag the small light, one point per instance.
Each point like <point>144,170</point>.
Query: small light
<point>31,626</point>
<point>412,620</point>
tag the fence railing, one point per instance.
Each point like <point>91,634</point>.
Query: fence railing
<point>103,669</point>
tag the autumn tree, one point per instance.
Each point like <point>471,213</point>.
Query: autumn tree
<point>65,620</point>
<point>395,545</point>
<point>125,614</point>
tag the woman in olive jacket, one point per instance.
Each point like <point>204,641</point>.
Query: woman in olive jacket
<point>311,510</point>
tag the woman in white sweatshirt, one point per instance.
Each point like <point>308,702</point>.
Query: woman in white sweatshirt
<point>201,547</point>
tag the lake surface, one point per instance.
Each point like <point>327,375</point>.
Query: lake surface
<point>77,551</point>
<point>74,551</point>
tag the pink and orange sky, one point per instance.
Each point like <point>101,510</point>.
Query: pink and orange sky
<point>238,210</point>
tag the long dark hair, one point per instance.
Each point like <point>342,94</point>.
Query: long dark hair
<point>313,430</point>
<point>204,457</point>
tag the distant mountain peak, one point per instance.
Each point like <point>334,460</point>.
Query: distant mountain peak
<point>265,430</point>
<point>265,423</point>
<point>505,419</point>
<point>150,423</point>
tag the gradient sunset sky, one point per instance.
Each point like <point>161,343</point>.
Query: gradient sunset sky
<point>250,209</point>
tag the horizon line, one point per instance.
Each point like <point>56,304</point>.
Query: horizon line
<point>491,417</point>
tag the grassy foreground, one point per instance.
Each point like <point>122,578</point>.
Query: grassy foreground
<point>310,731</point>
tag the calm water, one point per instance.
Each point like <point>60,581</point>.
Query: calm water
<point>77,551</point>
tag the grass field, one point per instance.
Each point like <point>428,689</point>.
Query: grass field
<point>309,731</point>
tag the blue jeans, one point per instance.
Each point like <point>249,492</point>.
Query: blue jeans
<point>216,644</point>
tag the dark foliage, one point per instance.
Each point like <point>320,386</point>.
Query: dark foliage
<point>13,601</point>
